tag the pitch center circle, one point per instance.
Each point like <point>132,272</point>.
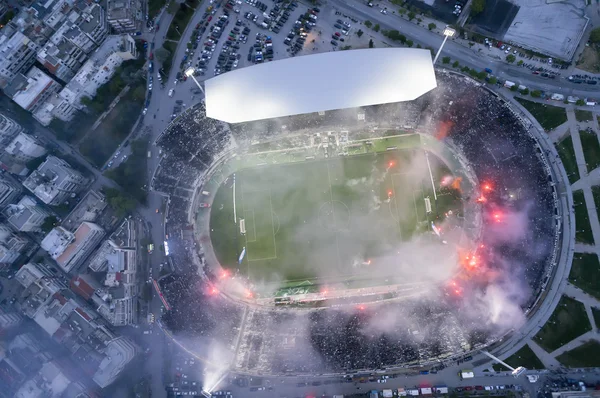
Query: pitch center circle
<point>334,215</point>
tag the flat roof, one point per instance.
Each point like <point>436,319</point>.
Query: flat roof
<point>320,82</point>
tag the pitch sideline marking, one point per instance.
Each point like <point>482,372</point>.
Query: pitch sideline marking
<point>337,240</point>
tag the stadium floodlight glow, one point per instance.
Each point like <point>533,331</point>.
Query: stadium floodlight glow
<point>189,72</point>
<point>448,32</point>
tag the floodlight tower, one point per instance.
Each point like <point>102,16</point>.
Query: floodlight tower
<point>448,32</point>
<point>189,72</point>
<point>515,372</point>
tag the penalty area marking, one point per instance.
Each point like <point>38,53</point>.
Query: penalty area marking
<point>274,256</point>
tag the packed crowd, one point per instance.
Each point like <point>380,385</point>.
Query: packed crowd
<point>499,150</point>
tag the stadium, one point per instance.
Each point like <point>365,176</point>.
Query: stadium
<point>403,220</point>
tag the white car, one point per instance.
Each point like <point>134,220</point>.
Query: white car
<point>171,91</point>
<point>145,111</point>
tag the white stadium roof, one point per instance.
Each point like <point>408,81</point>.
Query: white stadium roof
<point>320,82</point>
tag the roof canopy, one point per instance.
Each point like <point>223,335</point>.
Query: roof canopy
<point>320,82</point>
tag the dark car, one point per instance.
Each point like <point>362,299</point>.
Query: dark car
<point>334,42</point>
<point>338,26</point>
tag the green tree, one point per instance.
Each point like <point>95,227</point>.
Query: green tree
<point>376,28</point>
<point>536,93</point>
<point>409,43</point>
<point>481,75</point>
<point>402,11</point>
<point>493,80</point>
<point>432,26</point>
<point>525,91</point>
<point>446,60</point>
<point>514,88</point>
<point>477,7</point>
<point>455,64</point>
<point>595,36</point>
<point>510,58</point>
<point>580,102</point>
<point>122,204</point>
<point>359,33</point>
<point>411,16</point>
<point>49,223</point>
<point>371,45</point>
<point>520,62</point>
<point>368,23</point>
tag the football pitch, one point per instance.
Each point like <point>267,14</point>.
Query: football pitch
<point>325,220</point>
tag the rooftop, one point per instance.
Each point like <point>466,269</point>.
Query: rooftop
<point>30,87</point>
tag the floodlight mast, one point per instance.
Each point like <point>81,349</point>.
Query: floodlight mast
<point>515,372</point>
<point>190,73</point>
<point>448,32</point>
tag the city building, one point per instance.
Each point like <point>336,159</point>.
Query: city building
<point>70,249</point>
<point>24,148</point>
<point>17,54</point>
<point>8,129</point>
<point>10,190</point>
<point>89,208</point>
<point>31,91</point>
<point>97,71</point>
<point>50,381</point>
<point>41,285</point>
<point>61,57</point>
<point>118,353</point>
<point>84,285</point>
<point>11,245</point>
<point>55,181</point>
<point>125,16</point>
<point>27,215</point>
<point>9,320</point>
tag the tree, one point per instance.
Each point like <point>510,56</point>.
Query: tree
<point>371,45</point>
<point>595,36</point>
<point>368,23</point>
<point>514,87</point>
<point>525,91</point>
<point>536,93</point>
<point>119,202</point>
<point>411,16</point>
<point>481,75</point>
<point>359,33</point>
<point>376,28</point>
<point>477,7</point>
<point>446,60</point>
<point>580,102</point>
<point>455,64</point>
<point>493,80</point>
<point>510,58</point>
<point>402,11</point>
<point>49,223</point>
<point>520,62</point>
<point>161,54</point>
<point>409,43</point>
<point>432,26</point>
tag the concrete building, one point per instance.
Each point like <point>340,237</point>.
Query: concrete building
<point>17,55</point>
<point>24,148</point>
<point>41,285</point>
<point>11,245</point>
<point>26,216</point>
<point>97,71</point>
<point>8,129</point>
<point>50,381</point>
<point>125,16</point>
<point>55,181</point>
<point>31,91</point>
<point>61,57</point>
<point>118,353</point>
<point>69,249</point>
<point>88,209</point>
<point>10,190</point>
<point>9,320</point>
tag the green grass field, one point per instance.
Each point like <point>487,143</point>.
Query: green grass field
<point>567,155</point>
<point>549,116</point>
<point>586,355</point>
<point>324,218</point>
<point>524,357</point>
<point>585,273</point>
<point>591,149</point>
<point>583,232</point>
<point>568,321</point>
